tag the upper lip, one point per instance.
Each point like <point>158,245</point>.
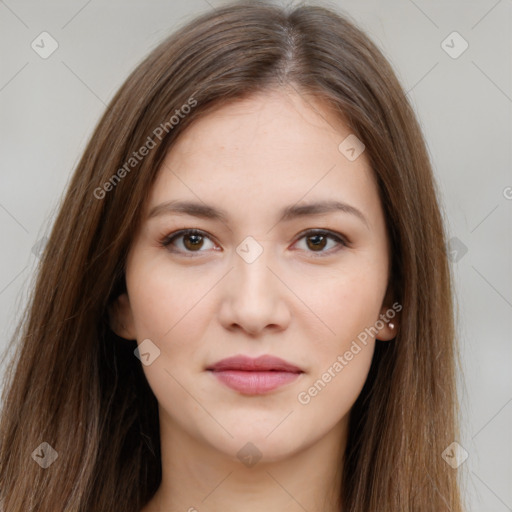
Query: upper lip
<point>249,364</point>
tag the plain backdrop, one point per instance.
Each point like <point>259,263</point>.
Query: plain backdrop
<point>463,98</point>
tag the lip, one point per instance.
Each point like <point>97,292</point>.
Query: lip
<point>255,376</point>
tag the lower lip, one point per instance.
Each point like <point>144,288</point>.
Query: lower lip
<point>255,383</point>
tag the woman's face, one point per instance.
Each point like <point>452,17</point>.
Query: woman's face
<point>266,273</point>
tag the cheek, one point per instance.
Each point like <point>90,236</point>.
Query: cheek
<point>346,303</point>
<point>166,301</point>
<point>327,397</point>
<point>171,308</point>
<point>344,347</point>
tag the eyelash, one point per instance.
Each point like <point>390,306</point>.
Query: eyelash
<point>169,239</point>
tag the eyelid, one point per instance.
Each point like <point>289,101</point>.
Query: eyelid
<point>168,239</point>
<point>340,239</point>
<point>323,231</point>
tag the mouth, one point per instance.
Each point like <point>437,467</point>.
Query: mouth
<point>255,376</point>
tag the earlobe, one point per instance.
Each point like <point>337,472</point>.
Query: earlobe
<point>388,332</point>
<point>389,317</point>
<point>121,317</point>
<point>388,327</point>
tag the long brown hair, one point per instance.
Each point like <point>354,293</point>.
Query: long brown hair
<point>78,387</point>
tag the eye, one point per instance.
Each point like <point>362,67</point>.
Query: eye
<point>192,240</point>
<point>317,240</point>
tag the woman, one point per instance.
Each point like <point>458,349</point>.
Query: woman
<point>245,300</point>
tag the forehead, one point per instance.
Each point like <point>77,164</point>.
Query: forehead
<point>286,124</point>
<point>279,146</point>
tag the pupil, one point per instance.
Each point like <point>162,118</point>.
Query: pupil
<point>317,245</point>
<point>196,242</point>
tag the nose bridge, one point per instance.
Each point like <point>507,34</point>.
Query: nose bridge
<point>253,299</point>
<point>251,273</point>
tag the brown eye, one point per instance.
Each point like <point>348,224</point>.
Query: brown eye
<point>187,241</point>
<point>193,241</point>
<point>317,241</point>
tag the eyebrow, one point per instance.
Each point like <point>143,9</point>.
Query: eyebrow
<point>288,213</point>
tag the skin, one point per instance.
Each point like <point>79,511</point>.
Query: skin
<point>202,303</point>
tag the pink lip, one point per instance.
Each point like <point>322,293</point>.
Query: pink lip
<point>255,376</point>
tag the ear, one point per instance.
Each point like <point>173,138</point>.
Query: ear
<point>387,324</point>
<point>121,317</point>
<point>389,317</point>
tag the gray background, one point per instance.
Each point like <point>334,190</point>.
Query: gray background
<point>49,108</point>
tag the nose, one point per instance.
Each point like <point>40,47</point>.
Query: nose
<point>255,299</point>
